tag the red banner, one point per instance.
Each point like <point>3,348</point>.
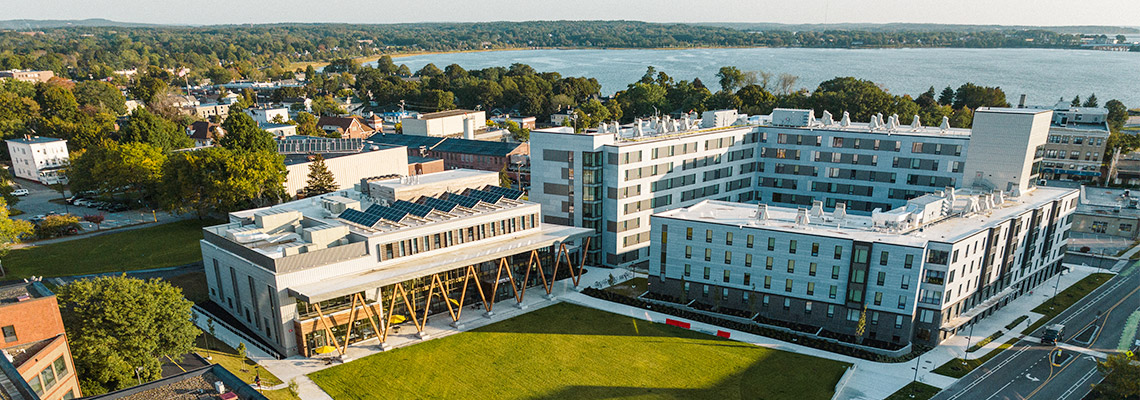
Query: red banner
<point>677,323</point>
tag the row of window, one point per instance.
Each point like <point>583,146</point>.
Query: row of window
<point>1085,140</point>
<point>852,314</point>
<point>50,376</point>
<point>440,240</point>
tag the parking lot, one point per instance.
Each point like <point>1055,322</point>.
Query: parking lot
<point>42,200</point>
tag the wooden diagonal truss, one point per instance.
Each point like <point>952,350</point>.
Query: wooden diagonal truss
<point>398,290</point>
<point>328,330</point>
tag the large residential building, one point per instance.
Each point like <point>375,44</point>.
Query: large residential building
<point>34,341</point>
<point>1077,139</point>
<point>612,178</point>
<point>325,270</point>
<point>27,75</point>
<point>40,159</point>
<point>919,272</point>
<point>349,160</point>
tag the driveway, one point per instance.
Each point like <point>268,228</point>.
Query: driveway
<point>38,202</point>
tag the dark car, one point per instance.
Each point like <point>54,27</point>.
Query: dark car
<point>1053,334</point>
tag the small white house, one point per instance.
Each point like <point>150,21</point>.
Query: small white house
<point>268,115</point>
<point>41,159</point>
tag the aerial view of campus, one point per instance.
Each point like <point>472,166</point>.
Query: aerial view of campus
<point>505,199</point>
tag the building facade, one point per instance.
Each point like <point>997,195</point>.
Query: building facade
<point>917,273</point>
<point>343,267</point>
<point>611,179</point>
<point>1077,139</point>
<point>27,75</point>
<point>35,342</point>
<point>454,123</point>
<point>40,159</point>
<point>1104,211</point>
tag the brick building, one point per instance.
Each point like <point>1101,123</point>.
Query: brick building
<point>34,340</point>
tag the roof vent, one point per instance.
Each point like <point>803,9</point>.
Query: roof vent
<point>816,209</point>
<point>802,217</point>
<point>840,211</point>
<point>891,122</point>
<point>846,121</point>
<point>945,124</point>
<point>916,123</point>
<point>761,212</point>
<point>874,122</point>
<point>220,387</point>
<point>827,120</point>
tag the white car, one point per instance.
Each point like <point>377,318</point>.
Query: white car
<point>20,192</point>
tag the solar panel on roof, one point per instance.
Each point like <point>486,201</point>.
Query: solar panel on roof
<point>387,213</point>
<point>358,217</point>
<point>418,210</point>
<point>465,201</point>
<point>505,192</point>
<point>440,204</point>
<point>485,196</point>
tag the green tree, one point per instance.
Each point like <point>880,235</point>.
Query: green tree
<point>307,125</point>
<point>755,100</point>
<point>1117,115</point>
<point>861,98</point>
<point>219,75</point>
<point>217,179</point>
<point>57,225</point>
<point>861,326</point>
<point>926,99</point>
<point>149,84</point>
<point>327,106</point>
<point>117,324</point>
<point>101,96</point>
<point>243,135</point>
<point>112,167</point>
<point>320,180</point>
<point>11,231</point>
<point>56,101</point>
<point>947,96</point>
<point>1121,378</point>
<point>591,114</point>
<point>518,132</point>
<point>1091,101</point>
<point>974,96</point>
<point>732,78</point>
<point>505,178</point>
<point>642,99</point>
<point>147,127</point>
<point>1076,101</point>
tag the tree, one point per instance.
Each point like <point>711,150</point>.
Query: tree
<point>926,99</point>
<point>307,125</point>
<point>241,350</point>
<point>243,135</point>
<point>327,106</point>
<point>101,96</point>
<point>96,219</point>
<point>149,84</point>
<point>947,96</point>
<point>1091,101</point>
<point>786,82</point>
<point>974,96</point>
<point>1076,101</point>
<point>505,178</point>
<point>147,127</point>
<point>518,132</point>
<point>321,180</point>
<point>11,231</point>
<point>755,100</point>
<point>861,326</point>
<point>56,101</point>
<point>1117,115</point>
<point>57,225</point>
<point>113,167</point>
<point>217,179</point>
<point>732,78</point>
<point>117,324</point>
<point>1121,378</point>
<point>590,114</point>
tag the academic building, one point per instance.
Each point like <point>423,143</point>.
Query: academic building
<point>611,179</point>
<point>345,267</point>
<point>916,273</point>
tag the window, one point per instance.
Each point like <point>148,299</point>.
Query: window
<point>834,291</point>
<point>1126,227</point>
<point>748,260</point>
<point>807,308</point>
<point>935,277</point>
<point>815,249</point>
<point>727,275</point>
<point>708,254</point>
<point>852,315</point>
<point>811,288</point>
<point>708,271</point>
<point>787,303</point>
<point>36,385</point>
<point>728,257</point>
<point>883,256</point>
<point>767,283</point>
<point>705,291</point>
<point>9,333</point>
<point>792,247</point>
<point>811,269</point>
<point>768,263</point>
<point>791,266</point>
<point>688,251</point>
<point>766,300</point>
<point>48,378</point>
<point>926,316</point>
<point>708,236</point>
<point>830,310</point>
<point>728,238</point>
<point>878,298</point>
<point>688,269</point>
<point>902,302</point>
<point>724,294</point>
<point>771,244</point>
<point>874,317</point>
<point>937,257</point>
<point>898,321</point>
<point>750,241</point>
<point>1099,226</point>
<point>882,280</point>
<point>838,252</point>
<point>688,233</point>
<point>747,279</point>
<point>787,285</point>
<point>835,272</point>
<point>909,261</point>
<point>60,367</point>
<point>906,282</point>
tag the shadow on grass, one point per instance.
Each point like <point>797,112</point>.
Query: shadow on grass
<point>576,323</point>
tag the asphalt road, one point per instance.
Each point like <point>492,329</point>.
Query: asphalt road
<point>1103,322</point>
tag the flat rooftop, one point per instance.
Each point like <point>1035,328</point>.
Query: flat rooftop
<point>943,229</point>
<point>195,384</point>
<point>36,139</point>
<point>1109,202</point>
<point>17,292</point>
<point>443,114</point>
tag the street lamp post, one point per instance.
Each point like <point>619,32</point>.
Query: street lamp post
<point>917,364</point>
<point>966,352</point>
<point>1056,286</point>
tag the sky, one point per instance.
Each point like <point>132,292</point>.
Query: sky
<point>209,12</point>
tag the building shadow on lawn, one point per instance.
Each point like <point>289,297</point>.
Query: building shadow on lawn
<point>571,319</point>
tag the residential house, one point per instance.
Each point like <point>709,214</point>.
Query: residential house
<point>40,159</point>
<point>352,127</point>
<point>205,133</point>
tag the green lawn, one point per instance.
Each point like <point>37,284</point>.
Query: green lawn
<point>193,285</point>
<point>240,366</point>
<point>920,390</point>
<point>568,351</point>
<point>1050,308</point>
<point>165,245</point>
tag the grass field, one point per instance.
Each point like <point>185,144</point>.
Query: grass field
<point>165,245</point>
<point>240,366</point>
<point>567,351</point>
<point>920,390</point>
<point>1050,308</point>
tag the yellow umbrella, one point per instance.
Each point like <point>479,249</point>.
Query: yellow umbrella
<point>324,349</point>
<point>395,319</point>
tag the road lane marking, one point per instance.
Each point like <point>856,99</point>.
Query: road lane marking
<point>1051,376</point>
<point>987,374</point>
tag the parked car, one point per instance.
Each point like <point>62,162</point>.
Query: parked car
<point>20,192</point>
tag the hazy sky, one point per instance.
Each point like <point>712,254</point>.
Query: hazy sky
<point>1004,12</point>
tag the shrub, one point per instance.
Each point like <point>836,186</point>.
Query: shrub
<point>58,225</point>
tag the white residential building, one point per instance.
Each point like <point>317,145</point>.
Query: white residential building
<point>40,159</point>
<point>919,272</point>
<point>453,123</point>
<point>612,178</point>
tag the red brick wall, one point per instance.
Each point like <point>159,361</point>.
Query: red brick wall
<point>34,320</point>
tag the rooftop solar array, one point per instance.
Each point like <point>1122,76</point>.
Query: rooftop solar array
<point>469,202</point>
<point>387,213</point>
<point>359,217</point>
<point>485,196</point>
<point>440,204</point>
<point>512,194</point>
<point>418,210</point>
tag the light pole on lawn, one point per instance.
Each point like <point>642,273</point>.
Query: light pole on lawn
<point>1056,286</point>
<point>913,383</point>
<point>966,352</point>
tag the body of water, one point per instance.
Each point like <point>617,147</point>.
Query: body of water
<point>1044,75</point>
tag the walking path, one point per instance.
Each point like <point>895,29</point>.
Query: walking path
<point>871,380</point>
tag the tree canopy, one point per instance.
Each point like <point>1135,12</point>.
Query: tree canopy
<point>243,134</point>
<point>320,179</point>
